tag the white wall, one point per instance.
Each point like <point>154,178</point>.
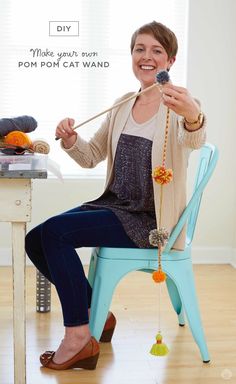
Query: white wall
<point>211,78</point>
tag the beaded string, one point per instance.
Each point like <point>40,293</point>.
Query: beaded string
<point>158,237</point>
<point>164,161</point>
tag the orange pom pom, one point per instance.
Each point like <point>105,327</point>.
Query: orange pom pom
<point>161,175</point>
<point>18,138</point>
<point>159,276</point>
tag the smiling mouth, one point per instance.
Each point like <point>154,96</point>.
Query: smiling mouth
<point>147,67</point>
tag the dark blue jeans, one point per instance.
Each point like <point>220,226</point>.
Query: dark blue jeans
<point>51,247</point>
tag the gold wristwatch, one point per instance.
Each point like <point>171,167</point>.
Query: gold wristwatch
<point>197,123</point>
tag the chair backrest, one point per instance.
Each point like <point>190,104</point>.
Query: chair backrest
<point>206,165</point>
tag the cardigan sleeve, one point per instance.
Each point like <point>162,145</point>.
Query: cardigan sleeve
<point>191,139</point>
<point>89,154</point>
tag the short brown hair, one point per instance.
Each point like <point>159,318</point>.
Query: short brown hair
<point>161,33</point>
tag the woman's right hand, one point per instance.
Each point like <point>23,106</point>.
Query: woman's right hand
<point>66,132</point>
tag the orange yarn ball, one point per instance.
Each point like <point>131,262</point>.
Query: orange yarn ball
<point>159,276</point>
<point>18,138</point>
<point>161,175</point>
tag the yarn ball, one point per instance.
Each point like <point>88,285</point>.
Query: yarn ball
<point>22,123</point>
<point>162,77</point>
<point>161,175</point>
<point>18,139</point>
<point>158,237</point>
<point>40,146</point>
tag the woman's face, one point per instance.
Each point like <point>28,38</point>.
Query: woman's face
<point>148,58</point>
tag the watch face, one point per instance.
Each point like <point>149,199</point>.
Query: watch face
<point>201,117</point>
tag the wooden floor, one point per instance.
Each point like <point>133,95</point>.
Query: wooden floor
<point>127,359</point>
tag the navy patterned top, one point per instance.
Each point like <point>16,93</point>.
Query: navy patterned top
<point>130,195</point>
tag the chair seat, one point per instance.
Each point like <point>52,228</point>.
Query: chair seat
<point>149,254</point>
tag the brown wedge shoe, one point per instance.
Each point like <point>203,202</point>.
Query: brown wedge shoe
<point>108,329</point>
<point>86,358</point>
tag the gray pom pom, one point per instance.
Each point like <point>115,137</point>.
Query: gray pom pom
<point>158,237</point>
<point>162,77</point>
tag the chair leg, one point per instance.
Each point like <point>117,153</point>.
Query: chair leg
<point>107,276</point>
<point>181,317</point>
<point>92,267</point>
<point>101,299</point>
<point>99,308</point>
<point>176,301</point>
<point>184,280</point>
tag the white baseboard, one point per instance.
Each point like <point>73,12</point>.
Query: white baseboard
<point>211,255</point>
<point>200,255</point>
<point>233,261</point>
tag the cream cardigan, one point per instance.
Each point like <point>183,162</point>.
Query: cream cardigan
<point>180,142</point>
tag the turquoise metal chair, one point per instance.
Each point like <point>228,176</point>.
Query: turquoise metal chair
<point>109,265</point>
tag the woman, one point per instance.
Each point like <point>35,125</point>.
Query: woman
<point>131,138</point>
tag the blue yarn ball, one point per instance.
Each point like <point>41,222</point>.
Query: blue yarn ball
<point>162,77</point>
<point>22,123</point>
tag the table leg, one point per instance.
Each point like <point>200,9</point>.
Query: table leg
<point>18,263</point>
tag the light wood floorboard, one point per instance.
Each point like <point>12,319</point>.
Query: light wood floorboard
<point>127,359</point>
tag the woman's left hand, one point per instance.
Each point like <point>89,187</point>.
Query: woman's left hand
<point>180,101</point>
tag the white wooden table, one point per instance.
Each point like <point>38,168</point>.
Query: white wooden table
<point>15,207</point>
